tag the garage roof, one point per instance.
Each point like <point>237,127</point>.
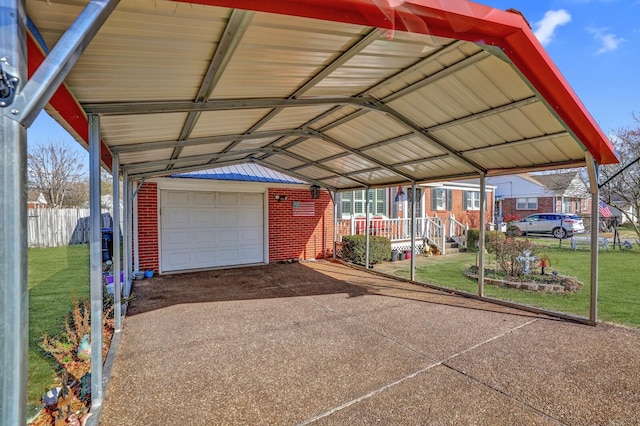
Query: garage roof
<point>342,93</point>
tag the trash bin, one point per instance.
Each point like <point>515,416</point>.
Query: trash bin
<point>107,244</point>
<point>394,255</point>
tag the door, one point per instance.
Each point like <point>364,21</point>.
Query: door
<point>210,229</point>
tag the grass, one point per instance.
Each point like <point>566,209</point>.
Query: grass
<point>619,275</point>
<point>56,276</point>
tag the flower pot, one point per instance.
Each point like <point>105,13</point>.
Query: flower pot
<point>148,274</point>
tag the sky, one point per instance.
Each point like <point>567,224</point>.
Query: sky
<point>594,43</point>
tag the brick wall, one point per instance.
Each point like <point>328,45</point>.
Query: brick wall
<point>295,237</point>
<point>148,226</point>
<point>545,204</point>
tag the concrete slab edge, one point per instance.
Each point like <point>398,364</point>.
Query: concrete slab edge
<point>95,411</point>
<point>514,305</point>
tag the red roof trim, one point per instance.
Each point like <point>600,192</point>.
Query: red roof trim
<point>462,20</point>
<point>64,102</point>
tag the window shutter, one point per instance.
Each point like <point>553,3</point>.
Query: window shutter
<point>465,200</point>
<point>449,199</point>
<point>434,201</point>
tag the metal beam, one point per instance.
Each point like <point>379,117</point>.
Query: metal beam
<point>234,31</point>
<point>515,143</point>
<point>203,159</point>
<point>445,72</point>
<point>310,163</point>
<point>364,156</point>
<point>57,64</point>
<point>164,107</point>
<point>14,294</point>
<point>481,239</point>
<point>293,174</point>
<point>427,136</point>
<point>325,160</point>
<point>95,260</point>
<point>410,70</point>
<point>149,146</point>
<point>156,173</point>
<point>115,203</point>
<point>593,170</point>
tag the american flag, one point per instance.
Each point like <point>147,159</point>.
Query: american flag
<point>603,209</point>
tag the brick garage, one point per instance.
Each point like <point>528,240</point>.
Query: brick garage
<point>299,227</point>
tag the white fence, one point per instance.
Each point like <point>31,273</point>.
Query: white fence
<point>61,227</point>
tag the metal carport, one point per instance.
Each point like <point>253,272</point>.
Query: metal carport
<point>345,94</point>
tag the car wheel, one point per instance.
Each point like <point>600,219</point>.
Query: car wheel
<point>559,233</point>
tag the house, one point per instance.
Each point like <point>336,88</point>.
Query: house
<point>230,216</point>
<point>520,195</point>
<point>248,214</point>
<point>36,200</point>
<point>460,200</point>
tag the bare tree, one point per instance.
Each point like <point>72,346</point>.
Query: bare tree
<point>622,188</point>
<point>56,170</point>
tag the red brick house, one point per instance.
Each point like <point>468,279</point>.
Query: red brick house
<point>520,195</point>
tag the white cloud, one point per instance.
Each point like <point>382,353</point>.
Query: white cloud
<point>607,40</point>
<point>552,19</point>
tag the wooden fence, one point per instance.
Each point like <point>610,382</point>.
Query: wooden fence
<point>61,227</point>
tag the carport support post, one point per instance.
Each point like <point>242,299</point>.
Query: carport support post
<point>130,228</point>
<point>95,260</point>
<point>335,223</point>
<point>481,238</point>
<point>117,288</point>
<point>413,232</point>
<point>593,171</point>
<point>14,295</point>
<point>126,258</point>
<point>366,230</point>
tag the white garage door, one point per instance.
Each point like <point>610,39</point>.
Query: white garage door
<point>210,229</point>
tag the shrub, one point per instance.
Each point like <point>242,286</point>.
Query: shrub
<point>507,251</point>
<point>513,231</point>
<point>473,235</point>
<point>492,238</point>
<point>354,248</point>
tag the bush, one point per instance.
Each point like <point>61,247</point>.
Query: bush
<point>354,249</point>
<point>513,231</point>
<point>490,237</point>
<point>473,235</point>
<point>507,251</point>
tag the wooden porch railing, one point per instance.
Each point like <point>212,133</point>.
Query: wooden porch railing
<point>428,229</point>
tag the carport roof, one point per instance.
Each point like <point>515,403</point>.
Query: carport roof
<point>341,93</point>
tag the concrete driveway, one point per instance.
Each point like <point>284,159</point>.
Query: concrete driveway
<point>322,343</point>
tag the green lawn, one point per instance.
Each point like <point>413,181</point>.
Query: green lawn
<point>56,276</point>
<point>618,285</point>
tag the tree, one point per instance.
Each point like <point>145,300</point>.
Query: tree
<point>623,190</point>
<point>56,170</point>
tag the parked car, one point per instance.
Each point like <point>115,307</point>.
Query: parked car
<point>560,225</point>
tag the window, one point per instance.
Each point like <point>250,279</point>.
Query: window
<point>347,203</point>
<point>354,203</point>
<point>526,204</point>
<point>471,200</point>
<point>441,199</point>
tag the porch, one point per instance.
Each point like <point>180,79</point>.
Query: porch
<point>429,230</point>
<point>323,343</point>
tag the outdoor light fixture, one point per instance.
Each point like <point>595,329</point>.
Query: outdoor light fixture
<point>281,198</point>
<point>315,191</point>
